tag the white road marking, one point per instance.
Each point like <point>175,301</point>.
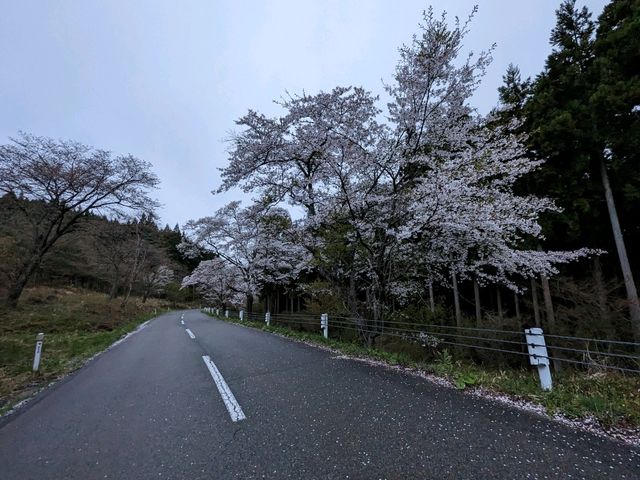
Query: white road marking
<point>190,333</point>
<point>118,342</point>
<point>234,409</point>
<point>182,322</point>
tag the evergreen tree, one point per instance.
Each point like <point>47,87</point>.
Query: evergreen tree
<point>513,94</point>
<point>576,117</point>
<point>560,126</point>
<point>616,102</point>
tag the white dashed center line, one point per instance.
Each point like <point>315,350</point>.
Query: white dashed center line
<point>190,333</point>
<point>228,398</point>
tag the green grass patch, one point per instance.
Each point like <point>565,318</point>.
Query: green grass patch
<point>77,324</point>
<point>612,398</point>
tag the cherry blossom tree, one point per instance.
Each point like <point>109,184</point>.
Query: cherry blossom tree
<point>406,203</point>
<point>417,197</point>
<point>155,280</point>
<point>217,282</point>
<point>285,158</point>
<point>253,243</point>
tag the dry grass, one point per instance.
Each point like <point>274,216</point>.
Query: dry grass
<point>77,324</point>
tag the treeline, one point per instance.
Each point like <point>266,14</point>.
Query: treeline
<point>117,257</point>
<point>440,211</point>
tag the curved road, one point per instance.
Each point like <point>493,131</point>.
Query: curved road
<point>221,401</point>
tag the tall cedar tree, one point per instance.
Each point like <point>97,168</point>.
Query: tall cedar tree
<point>580,114</point>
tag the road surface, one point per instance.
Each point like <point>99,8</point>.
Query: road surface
<point>198,398</point>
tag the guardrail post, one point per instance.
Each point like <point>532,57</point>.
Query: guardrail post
<point>324,324</point>
<point>36,357</point>
<point>241,315</point>
<point>538,356</point>
<point>267,318</point>
<point>226,313</point>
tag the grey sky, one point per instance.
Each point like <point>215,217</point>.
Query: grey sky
<point>165,80</point>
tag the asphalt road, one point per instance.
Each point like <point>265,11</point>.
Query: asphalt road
<point>151,408</point>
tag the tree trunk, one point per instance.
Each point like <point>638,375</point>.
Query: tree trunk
<point>432,303</point>
<point>249,304</point>
<point>551,318</point>
<point>499,302</point>
<point>123,304</point>
<point>139,258</point>
<point>516,303</point>
<point>18,286</point>
<point>534,298</point>
<point>352,298</point>
<point>548,305</point>
<point>476,296</point>
<point>601,293</point>
<point>456,300</point>
<point>632,292</point>
<point>113,292</point>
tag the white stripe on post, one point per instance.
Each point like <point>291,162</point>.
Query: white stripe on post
<point>324,324</point>
<point>38,353</point>
<point>538,356</point>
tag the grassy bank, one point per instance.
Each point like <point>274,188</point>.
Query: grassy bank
<point>612,398</point>
<point>77,324</point>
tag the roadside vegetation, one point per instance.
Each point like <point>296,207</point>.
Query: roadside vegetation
<point>83,258</point>
<point>613,399</point>
<point>77,324</point>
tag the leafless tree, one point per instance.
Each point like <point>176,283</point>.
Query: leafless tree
<point>111,244</point>
<point>69,180</point>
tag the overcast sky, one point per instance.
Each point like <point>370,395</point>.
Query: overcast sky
<point>165,79</point>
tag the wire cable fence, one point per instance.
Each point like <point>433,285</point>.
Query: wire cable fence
<point>484,344</point>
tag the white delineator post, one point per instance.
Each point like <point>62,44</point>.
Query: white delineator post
<point>241,315</point>
<point>36,357</point>
<point>538,356</point>
<point>226,313</point>
<point>267,318</point>
<point>324,324</point>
